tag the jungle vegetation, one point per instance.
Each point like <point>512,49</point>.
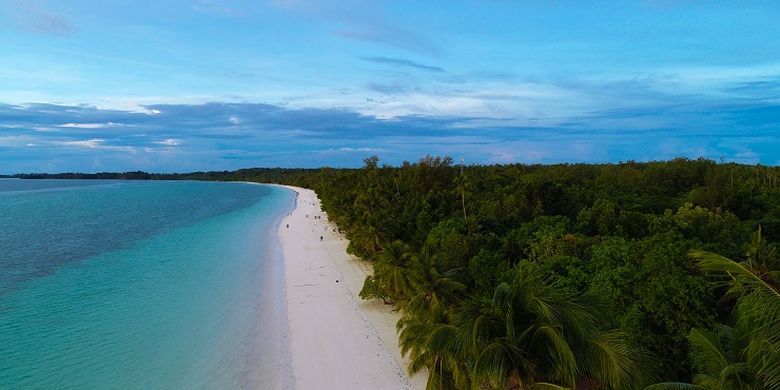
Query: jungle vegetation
<point>575,276</point>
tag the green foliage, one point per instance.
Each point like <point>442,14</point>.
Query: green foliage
<point>620,232</point>
<point>448,241</point>
<point>722,232</point>
<point>657,293</point>
<point>531,331</point>
<point>393,269</point>
<point>757,313</point>
<point>372,289</point>
<point>485,267</point>
<point>432,290</point>
<point>747,354</point>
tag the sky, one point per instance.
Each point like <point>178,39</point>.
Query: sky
<point>177,86</point>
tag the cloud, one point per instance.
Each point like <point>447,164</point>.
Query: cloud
<point>89,143</point>
<point>400,62</point>
<point>168,142</point>
<point>36,17</point>
<point>363,21</point>
<point>273,135</point>
<point>346,149</point>
<point>89,125</point>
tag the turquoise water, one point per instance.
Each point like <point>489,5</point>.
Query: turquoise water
<point>141,285</point>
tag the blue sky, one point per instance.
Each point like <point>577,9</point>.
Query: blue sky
<point>200,85</point>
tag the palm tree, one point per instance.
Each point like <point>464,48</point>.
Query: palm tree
<point>430,288</point>
<point>718,361</point>
<point>757,308</point>
<point>746,356</point>
<point>433,343</point>
<point>461,182</point>
<point>364,241</point>
<point>426,332</point>
<point>762,259</point>
<point>488,326</point>
<point>531,334</point>
<point>392,269</point>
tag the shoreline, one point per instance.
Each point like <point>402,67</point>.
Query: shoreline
<point>337,340</point>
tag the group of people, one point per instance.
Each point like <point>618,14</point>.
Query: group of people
<point>313,217</point>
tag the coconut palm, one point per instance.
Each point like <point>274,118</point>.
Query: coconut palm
<point>461,183</point>
<point>426,332</point>
<point>488,327</point>
<point>718,360</point>
<point>430,288</point>
<point>433,343</point>
<point>757,309</point>
<point>532,334</point>
<point>762,259</point>
<point>393,269</point>
<point>746,356</point>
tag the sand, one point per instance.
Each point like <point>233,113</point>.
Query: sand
<point>338,341</point>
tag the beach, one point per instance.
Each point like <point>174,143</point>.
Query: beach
<point>337,340</point>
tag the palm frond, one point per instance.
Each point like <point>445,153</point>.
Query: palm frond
<point>615,363</point>
<point>733,272</point>
<point>707,352</point>
<point>674,386</point>
<point>554,354</point>
<point>758,310</point>
<point>547,386</point>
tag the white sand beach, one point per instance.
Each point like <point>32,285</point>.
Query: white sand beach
<point>338,341</point>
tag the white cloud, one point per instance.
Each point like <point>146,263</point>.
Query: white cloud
<point>130,105</point>
<point>169,142</point>
<point>347,149</point>
<point>89,143</point>
<point>97,143</point>
<point>89,125</point>
<point>14,140</point>
<point>45,129</point>
<point>527,103</point>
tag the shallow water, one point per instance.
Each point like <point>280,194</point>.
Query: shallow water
<point>141,285</point>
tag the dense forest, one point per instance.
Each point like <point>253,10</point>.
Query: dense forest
<point>614,276</point>
<point>659,275</point>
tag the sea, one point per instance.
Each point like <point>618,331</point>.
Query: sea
<point>142,285</point>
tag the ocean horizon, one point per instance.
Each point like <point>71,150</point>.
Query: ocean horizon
<point>142,285</point>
